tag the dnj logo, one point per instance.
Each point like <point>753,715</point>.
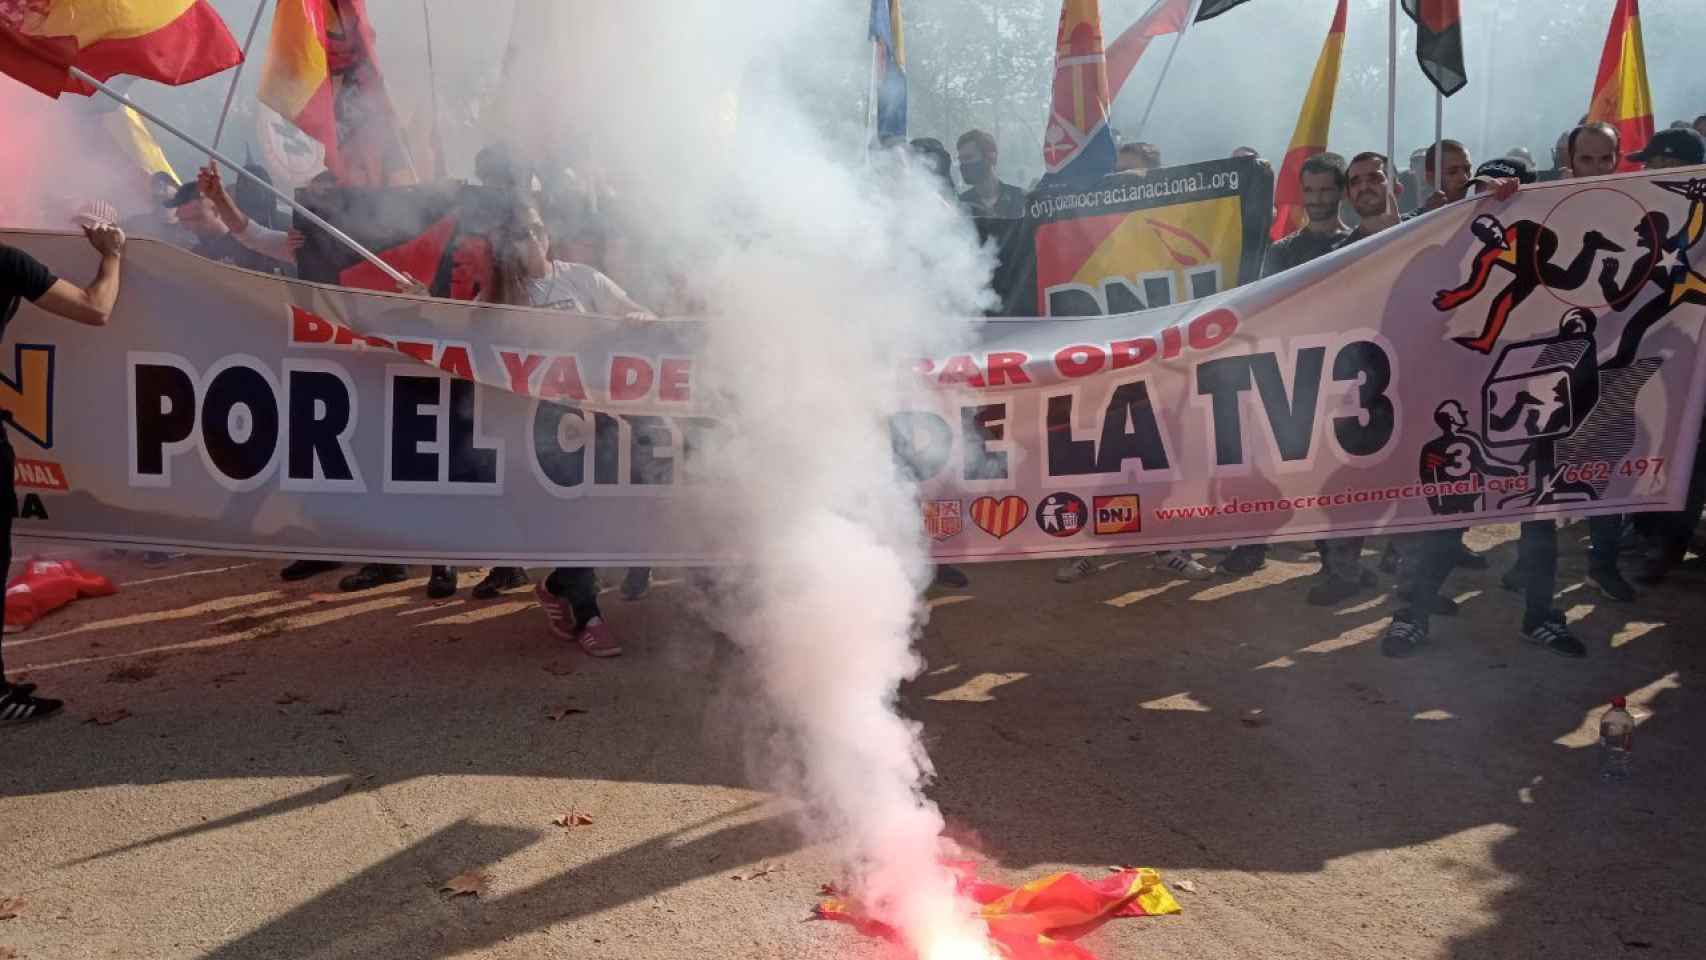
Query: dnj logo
<point>1117,515</point>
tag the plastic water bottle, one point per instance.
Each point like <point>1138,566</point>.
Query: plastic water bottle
<point>1616,738</point>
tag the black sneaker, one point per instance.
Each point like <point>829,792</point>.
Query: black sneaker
<point>636,583</point>
<point>22,689</point>
<point>1609,581</point>
<point>1555,636</point>
<point>373,575</point>
<point>499,579</point>
<point>442,583</point>
<point>1513,580</point>
<point>303,569</point>
<point>1243,561</point>
<point>951,577</point>
<point>16,707</point>
<point>1389,559</point>
<point>1402,639</point>
<point>1656,568</point>
<point>1333,590</point>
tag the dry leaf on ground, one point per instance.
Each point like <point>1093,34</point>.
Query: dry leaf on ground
<point>1185,885</point>
<point>562,712</point>
<point>1254,717</point>
<point>830,890</point>
<point>287,698</point>
<point>336,711</point>
<point>471,883</point>
<point>11,907</point>
<point>107,718</point>
<point>559,669</point>
<point>572,820</point>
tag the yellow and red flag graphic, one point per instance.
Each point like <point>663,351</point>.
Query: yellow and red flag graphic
<point>1620,94</point>
<point>167,41</point>
<point>1040,920</point>
<point>1310,137</point>
<point>322,74</point>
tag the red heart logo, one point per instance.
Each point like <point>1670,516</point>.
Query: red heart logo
<point>998,518</point>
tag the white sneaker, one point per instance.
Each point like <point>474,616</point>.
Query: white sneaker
<point>1182,564</point>
<point>1074,570</point>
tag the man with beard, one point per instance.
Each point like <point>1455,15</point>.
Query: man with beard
<point>1322,179</point>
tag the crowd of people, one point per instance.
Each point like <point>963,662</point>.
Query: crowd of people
<point>555,248</point>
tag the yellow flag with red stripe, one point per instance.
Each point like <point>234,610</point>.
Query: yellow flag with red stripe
<point>1620,93</point>
<point>1310,138</point>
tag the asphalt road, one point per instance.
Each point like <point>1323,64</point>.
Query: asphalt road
<point>296,772</point>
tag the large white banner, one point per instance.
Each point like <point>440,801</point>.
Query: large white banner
<point>1485,363</point>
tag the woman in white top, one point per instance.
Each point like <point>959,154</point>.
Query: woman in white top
<point>526,275</point>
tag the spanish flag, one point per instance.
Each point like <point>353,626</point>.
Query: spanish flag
<point>322,74</point>
<point>167,41</point>
<point>1620,94</point>
<point>1077,142</point>
<point>1040,920</point>
<point>1310,137</point>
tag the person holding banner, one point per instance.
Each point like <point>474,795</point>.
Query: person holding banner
<point>527,276</point>
<point>23,277</point>
<point>986,195</point>
<point>1323,179</point>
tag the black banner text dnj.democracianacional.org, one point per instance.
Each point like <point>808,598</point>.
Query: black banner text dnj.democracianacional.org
<point>1487,362</point>
<point>1131,242</point>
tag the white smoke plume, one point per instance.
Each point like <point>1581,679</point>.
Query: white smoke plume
<point>738,145</point>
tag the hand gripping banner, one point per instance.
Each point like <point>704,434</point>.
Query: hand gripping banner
<point>1485,363</point>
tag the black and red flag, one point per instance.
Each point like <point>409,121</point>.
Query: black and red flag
<point>440,233</point>
<point>1439,42</point>
<point>1214,8</point>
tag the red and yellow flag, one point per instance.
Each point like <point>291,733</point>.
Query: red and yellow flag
<point>1040,920</point>
<point>322,74</point>
<point>1310,137</point>
<point>167,41</point>
<point>1620,94</point>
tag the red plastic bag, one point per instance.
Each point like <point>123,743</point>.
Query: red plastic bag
<point>47,585</point>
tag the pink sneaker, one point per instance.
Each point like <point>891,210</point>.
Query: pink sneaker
<point>559,618</point>
<point>596,640</point>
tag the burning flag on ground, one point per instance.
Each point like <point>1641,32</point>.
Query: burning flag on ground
<point>1042,919</point>
<point>322,74</point>
<point>167,41</point>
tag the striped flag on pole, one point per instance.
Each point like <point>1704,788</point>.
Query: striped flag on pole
<point>1620,93</point>
<point>1310,137</point>
<point>1077,142</point>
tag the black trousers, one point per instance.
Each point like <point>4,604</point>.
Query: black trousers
<point>1428,559</point>
<point>579,586</point>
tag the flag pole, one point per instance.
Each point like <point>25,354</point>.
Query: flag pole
<point>1439,140</point>
<point>402,279</point>
<point>1155,94</point>
<point>432,93</point>
<point>1392,87</point>
<point>237,74</point>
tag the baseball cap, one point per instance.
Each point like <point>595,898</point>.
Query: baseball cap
<point>189,191</point>
<point>1513,167</point>
<point>1685,146</point>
